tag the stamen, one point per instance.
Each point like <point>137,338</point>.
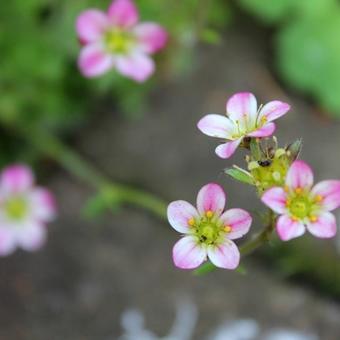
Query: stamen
<point>313,218</point>
<point>298,190</point>
<point>227,228</point>
<point>294,218</point>
<point>288,202</point>
<point>286,188</point>
<point>209,214</point>
<point>191,222</point>
<point>318,198</point>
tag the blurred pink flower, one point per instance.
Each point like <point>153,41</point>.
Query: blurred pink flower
<point>208,232</point>
<point>117,40</point>
<point>243,119</point>
<point>24,210</point>
<point>302,205</point>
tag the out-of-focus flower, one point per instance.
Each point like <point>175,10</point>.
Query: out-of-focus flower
<point>243,119</point>
<point>302,205</point>
<point>24,210</point>
<point>208,231</point>
<point>117,40</point>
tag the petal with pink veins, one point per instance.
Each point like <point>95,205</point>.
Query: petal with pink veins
<point>94,61</point>
<point>275,198</point>
<point>211,198</point>
<point>179,213</point>
<point>273,110</point>
<point>299,175</point>
<point>123,13</point>
<point>42,205</point>
<point>16,179</point>
<point>137,66</point>
<point>31,236</point>
<point>7,241</point>
<point>151,37</point>
<point>324,226</point>
<point>329,193</point>
<point>225,255</point>
<point>217,126</point>
<point>264,131</point>
<point>226,150</point>
<point>288,229</point>
<point>187,253</point>
<point>239,220</point>
<point>91,25</point>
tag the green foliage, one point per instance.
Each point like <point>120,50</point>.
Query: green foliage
<point>240,175</point>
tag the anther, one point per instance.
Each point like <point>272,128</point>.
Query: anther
<point>209,214</point>
<point>298,190</point>
<point>191,222</point>
<point>318,198</point>
<point>227,228</point>
<point>313,218</point>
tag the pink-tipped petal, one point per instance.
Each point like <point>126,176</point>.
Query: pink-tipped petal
<point>16,178</point>
<point>288,229</point>
<point>242,107</point>
<point>273,110</point>
<point>217,126</point>
<point>137,66</point>
<point>42,205</point>
<point>225,255</point>
<point>211,198</point>
<point>94,61</point>
<point>264,131</point>
<point>329,192</point>
<point>239,220</point>
<point>32,236</point>
<point>123,13</point>
<point>299,175</point>
<point>91,25</point>
<point>187,253</point>
<point>324,226</point>
<point>275,198</point>
<point>226,150</point>
<point>151,37</point>
<point>7,241</point>
<point>179,213</point>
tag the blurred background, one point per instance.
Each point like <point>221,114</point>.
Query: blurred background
<point>96,268</point>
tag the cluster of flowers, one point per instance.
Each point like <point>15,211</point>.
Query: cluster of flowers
<point>283,183</point>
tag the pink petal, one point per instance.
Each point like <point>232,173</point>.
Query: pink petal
<point>187,254</point>
<point>242,106</point>
<point>264,131</point>
<point>299,175</point>
<point>211,198</point>
<point>330,193</point>
<point>289,229</point>
<point>137,66</point>
<point>91,25</point>
<point>217,126</point>
<point>273,110</point>
<point>16,178</point>
<point>225,255</point>
<point>31,236</point>
<point>179,213</point>
<point>239,220</point>
<point>275,198</point>
<point>7,242</point>
<point>42,204</point>
<point>93,61</point>
<point>324,226</point>
<point>226,150</point>
<point>151,37</point>
<point>123,13</point>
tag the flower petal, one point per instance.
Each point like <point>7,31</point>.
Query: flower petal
<point>123,13</point>
<point>90,25</point>
<point>93,61</point>
<point>16,178</point>
<point>187,254</point>
<point>264,131</point>
<point>31,236</point>
<point>329,192</point>
<point>151,37</point>
<point>7,242</point>
<point>217,126</point>
<point>239,220</point>
<point>273,110</point>
<point>226,150</point>
<point>275,198</point>
<point>288,229</point>
<point>42,205</point>
<point>137,66</point>
<point>211,198</point>
<point>299,175</point>
<point>324,226</point>
<point>225,255</point>
<point>179,213</point>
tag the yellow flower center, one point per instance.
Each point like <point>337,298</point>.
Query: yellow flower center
<point>118,41</point>
<point>16,208</point>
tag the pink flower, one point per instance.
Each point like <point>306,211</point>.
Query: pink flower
<point>24,210</point>
<point>302,205</point>
<point>243,119</point>
<point>116,40</point>
<point>207,231</point>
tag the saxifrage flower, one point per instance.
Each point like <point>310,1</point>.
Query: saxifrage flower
<point>208,231</point>
<point>243,119</point>
<point>117,40</point>
<point>302,205</point>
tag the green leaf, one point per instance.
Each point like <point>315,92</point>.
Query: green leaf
<point>204,269</point>
<point>211,36</point>
<point>240,175</point>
